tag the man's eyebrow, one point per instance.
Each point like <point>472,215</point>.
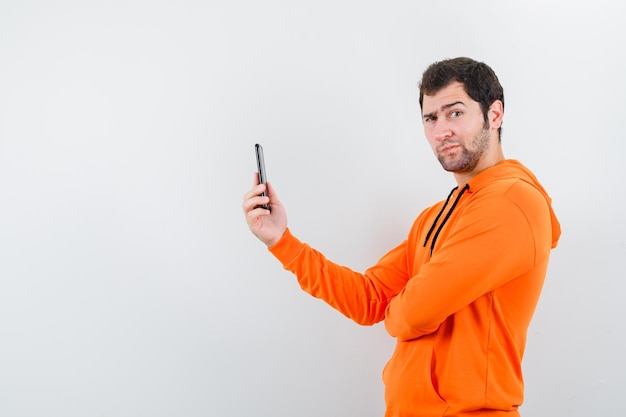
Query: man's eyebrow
<point>444,107</point>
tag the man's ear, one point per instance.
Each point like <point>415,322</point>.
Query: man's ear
<point>495,114</point>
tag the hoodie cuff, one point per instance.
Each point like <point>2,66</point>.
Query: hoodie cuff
<point>287,248</point>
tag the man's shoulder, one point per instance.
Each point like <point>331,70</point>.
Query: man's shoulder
<point>511,190</point>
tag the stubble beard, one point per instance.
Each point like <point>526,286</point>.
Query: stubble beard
<point>467,159</point>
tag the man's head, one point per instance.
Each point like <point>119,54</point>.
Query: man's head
<point>462,112</point>
<point>480,82</point>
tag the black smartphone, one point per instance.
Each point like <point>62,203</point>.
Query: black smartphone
<point>260,164</point>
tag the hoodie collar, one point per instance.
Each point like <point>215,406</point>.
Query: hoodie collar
<point>511,168</point>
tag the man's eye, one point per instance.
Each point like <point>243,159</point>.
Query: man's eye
<point>454,114</point>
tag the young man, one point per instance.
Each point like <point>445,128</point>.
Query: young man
<point>459,293</point>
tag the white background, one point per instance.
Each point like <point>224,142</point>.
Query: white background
<point>129,282</point>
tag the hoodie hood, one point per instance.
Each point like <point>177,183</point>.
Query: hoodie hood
<point>511,168</point>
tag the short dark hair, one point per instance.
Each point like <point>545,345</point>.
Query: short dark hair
<point>479,80</point>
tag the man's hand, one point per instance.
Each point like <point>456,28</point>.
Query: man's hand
<point>267,225</point>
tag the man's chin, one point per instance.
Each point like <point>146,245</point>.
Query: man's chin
<point>448,164</point>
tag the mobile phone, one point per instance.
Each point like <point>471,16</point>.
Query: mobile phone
<point>260,164</point>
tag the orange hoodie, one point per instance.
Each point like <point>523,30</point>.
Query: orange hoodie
<point>458,295</point>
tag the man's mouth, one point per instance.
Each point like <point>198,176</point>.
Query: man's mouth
<point>448,147</point>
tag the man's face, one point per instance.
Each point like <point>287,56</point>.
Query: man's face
<point>456,129</point>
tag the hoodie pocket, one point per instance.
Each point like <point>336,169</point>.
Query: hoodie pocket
<point>408,379</point>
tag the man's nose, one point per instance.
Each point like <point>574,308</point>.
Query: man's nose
<point>442,130</point>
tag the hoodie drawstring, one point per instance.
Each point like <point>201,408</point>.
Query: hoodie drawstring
<point>439,215</point>
<point>458,197</point>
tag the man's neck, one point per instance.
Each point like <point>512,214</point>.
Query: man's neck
<point>488,161</point>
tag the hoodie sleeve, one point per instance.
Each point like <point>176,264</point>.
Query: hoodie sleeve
<point>361,297</point>
<point>496,239</point>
